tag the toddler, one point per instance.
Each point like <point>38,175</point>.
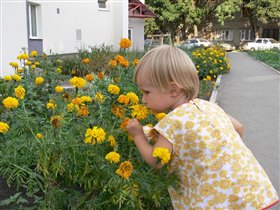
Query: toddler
<point>215,168</point>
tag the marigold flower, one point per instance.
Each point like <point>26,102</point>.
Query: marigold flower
<point>20,92</point>
<point>56,121</point>
<point>28,63</point>
<point>99,97</point>
<point>16,77</point>
<point>33,66</point>
<point>159,116</point>
<point>85,61</point>
<point>66,97</point>
<point>124,123</point>
<point>113,89</point>
<point>59,89</point>
<point>125,43</point>
<point>100,75</point>
<point>4,127</point>
<point>124,63</point>
<point>116,79</point>
<point>118,111</point>
<point>163,154</point>
<point>123,99</point>
<point>125,169</point>
<point>89,77</point>
<point>112,141</point>
<point>19,70</point>
<point>39,80</point>
<point>58,70</point>
<point>14,64</point>
<point>51,104</point>
<point>77,101</point>
<point>112,63</point>
<point>8,78</point>
<point>39,136</point>
<point>113,157</point>
<point>133,98</point>
<point>119,58</point>
<point>139,111</point>
<point>86,99</point>
<point>136,61</point>
<point>83,111</point>
<point>71,107</point>
<point>78,82</point>
<point>94,135</point>
<point>33,53</point>
<point>208,78</point>
<point>10,103</point>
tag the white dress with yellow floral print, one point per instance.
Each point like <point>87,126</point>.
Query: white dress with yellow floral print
<point>215,168</point>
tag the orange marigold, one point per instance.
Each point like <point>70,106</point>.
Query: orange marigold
<point>125,43</point>
<point>89,77</point>
<point>125,169</point>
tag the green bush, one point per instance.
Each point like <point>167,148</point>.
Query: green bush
<point>270,57</point>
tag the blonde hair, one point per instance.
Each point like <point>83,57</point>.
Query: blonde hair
<point>165,64</point>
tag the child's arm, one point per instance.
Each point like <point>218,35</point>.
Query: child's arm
<point>146,150</point>
<point>237,126</point>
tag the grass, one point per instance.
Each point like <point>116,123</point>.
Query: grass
<point>269,57</point>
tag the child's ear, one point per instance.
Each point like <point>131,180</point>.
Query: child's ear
<point>175,90</point>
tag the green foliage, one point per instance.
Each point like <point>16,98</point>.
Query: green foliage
<point>270,57</point>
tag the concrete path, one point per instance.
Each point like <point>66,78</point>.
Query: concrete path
<point>250,93</point>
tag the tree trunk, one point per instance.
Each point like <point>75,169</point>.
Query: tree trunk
<point>195,32</point>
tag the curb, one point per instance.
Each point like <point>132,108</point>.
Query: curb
<point>214,95</point>
<point>273,69</point>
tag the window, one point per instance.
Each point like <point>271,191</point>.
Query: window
<point>34,13</point>
<point>102,4</point>
<point>246,35</point>
<point>33,21</point>
<point>78,34</point>
<point>226,35</point>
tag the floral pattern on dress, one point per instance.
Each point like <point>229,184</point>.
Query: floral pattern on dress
<point>215,168</point>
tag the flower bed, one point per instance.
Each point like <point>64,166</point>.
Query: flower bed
<point>68,148</point>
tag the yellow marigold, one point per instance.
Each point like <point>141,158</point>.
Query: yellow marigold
<point>112,63</point>
<point>118,111</point>
<point>112,141</point>
<point>77,101</point>
<point>83,111</point>
<point>56,121</point>
<point>33,53</point>
<point>119,58</point>
<point>133,98</point>
<point>86,99</point>
<point>89,77</point>
<point>59,89</point>
<point>124,123</point>
<point>136,61</point>
<point>4,127</point>
<point>78,82</point>
<point>14,64</point>
<point>124,63</point>
<point>39,136</point>
<point>71,107</point>
<point>123,99</point>
<point>94,135</point>
<point>39,80</point>
<point>16,77</point>
<point>33,66</point>
<point>125,43</point>
<point>113,89</point>
<point>139,111</point>
<point>159,116</point>
<point>20,92</point>
<point>8,78</point>
<point>51,104</point>
<point>85,60</point>
<point>100,75</point>
<point>125,169</point>
<point>28,63</point>
<point>58,70</point>
<point>113,157</point>
<point>19,70</point>
<point>99,97</point>
<point>208,78</point>
<point>10,103</point>
<point>163,154</point>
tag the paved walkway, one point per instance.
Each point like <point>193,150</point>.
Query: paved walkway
<point>250,93</point>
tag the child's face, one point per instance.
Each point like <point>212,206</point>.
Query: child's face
<point>155,99</point>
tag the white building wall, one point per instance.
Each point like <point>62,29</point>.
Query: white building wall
<point>13,33</point>
<point>137,27</point>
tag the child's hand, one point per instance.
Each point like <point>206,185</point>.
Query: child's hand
<point>134,128</point>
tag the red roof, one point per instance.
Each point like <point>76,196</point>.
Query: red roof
<point>136,9</point>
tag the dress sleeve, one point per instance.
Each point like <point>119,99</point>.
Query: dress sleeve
<point>150,132</point>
